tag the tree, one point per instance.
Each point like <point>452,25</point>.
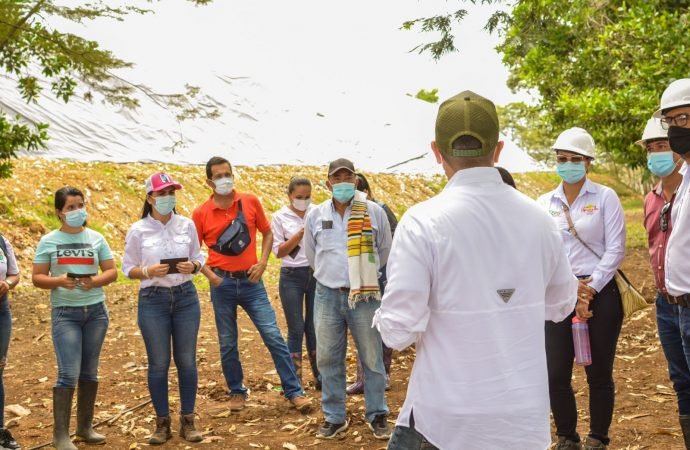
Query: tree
<point>600,65</point>
<point>41,57</point>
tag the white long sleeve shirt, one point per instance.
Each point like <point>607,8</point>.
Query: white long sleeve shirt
<point>598,217</point>
<point>285,223</point>
<point>149,240</point>
<point>678,247</point>
<point>473,274</point>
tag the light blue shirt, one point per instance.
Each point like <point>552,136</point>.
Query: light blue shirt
<point>79,253</point>
<point>325,242</point>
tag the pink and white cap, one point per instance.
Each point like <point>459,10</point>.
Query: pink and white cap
<point>159,181</point>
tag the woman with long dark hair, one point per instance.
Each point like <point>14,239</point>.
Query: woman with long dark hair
<point>358,386</point>
<point>162,250</point>
<point>67,262</point>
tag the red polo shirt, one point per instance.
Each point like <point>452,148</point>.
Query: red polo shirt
<point>658,240</point>
<point>210,220</point>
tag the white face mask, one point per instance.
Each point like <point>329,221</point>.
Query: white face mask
<point>224,186</point>
<point>301,204</point>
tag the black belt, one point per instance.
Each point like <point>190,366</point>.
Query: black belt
<point>343,289</point>
<point>238,274</point>
<point>682,300</point>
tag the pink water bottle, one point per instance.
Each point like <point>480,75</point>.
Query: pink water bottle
<point>583,353</point>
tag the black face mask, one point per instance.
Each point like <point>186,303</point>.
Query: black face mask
<point>679,139</point>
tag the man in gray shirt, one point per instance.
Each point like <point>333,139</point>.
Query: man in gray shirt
<point>347,240</point>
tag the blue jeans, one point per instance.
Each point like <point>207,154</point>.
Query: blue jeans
<point>165,315</point>
<point>675,340</point>
<point>252,298</point>
<point>78,334</point>
<point>408,438</point>
<point>5,333</point>
<point>296,287</point>
<point>332,318</point>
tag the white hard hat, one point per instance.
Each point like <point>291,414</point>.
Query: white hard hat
<point>652,130</point>
<point>676,94</point>
<point>575,140</point>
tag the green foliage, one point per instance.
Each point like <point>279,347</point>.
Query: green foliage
<point>525,126</point>
<point>13,136</point>
<point>41,57</point>
<point>428,96</point>
<point>443,24</point>
<point>600,65</point>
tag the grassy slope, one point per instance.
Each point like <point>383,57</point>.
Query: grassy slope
<point>115,195</point>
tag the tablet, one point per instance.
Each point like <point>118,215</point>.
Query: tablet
<point>172,262</point>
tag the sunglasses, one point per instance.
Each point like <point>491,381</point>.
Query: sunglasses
<point>663,217</point>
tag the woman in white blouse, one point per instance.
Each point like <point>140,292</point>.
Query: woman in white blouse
<point>162,250</point>
<point>297,282</point>
<point>9,277</point>
<point>596,247</point>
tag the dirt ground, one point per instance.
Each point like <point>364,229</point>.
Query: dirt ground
<point>645,417</point>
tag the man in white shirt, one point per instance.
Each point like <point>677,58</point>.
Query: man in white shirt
<point>473,274</point>
<point>675,117</point>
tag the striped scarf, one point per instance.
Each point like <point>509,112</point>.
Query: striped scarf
<point>361,262</point>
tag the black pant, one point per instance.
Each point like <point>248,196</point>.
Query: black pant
<point>604,328</point>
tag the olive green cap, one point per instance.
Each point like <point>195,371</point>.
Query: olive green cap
<point>467,114</point>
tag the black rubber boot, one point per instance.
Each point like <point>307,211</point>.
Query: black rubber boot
<point>86,397</point>
<point>62,409</point>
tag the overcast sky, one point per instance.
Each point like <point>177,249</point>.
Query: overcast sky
<point>305,48</point>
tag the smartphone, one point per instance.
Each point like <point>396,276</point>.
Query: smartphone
<point>172,262</point>
<point>80,275</point>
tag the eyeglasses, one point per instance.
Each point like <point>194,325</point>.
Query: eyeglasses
<point>663,217</point>
<point>677,121</point>
<point>560,159</point>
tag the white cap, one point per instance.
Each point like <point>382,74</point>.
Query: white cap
<point>653,130</point>
<point>676,94</point>
<point>576,140</point>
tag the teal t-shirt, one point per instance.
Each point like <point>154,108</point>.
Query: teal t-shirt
<point>79,253</point>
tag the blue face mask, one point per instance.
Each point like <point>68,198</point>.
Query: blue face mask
<point>76,218</point>
<point>343,192</point>
<point>165,205</point>
<point>661,164</point>
<point>571,172</point>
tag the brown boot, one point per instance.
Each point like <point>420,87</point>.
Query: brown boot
<point>301,403</point>
<point>387,359</point>
<point>162,433</point>
<point>315,370</point>
<point>358,386</point>
<point>237,402</point>
<point>187,430</point>
<point>297,362</point>
<point>685,428</point>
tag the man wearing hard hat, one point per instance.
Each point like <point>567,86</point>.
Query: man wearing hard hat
<point>658,204</point>
<point>674,113</point>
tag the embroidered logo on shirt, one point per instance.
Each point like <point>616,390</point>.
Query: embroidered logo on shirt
<point>590,209</point>
<point>506,294</point>
<point>555,212</point>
